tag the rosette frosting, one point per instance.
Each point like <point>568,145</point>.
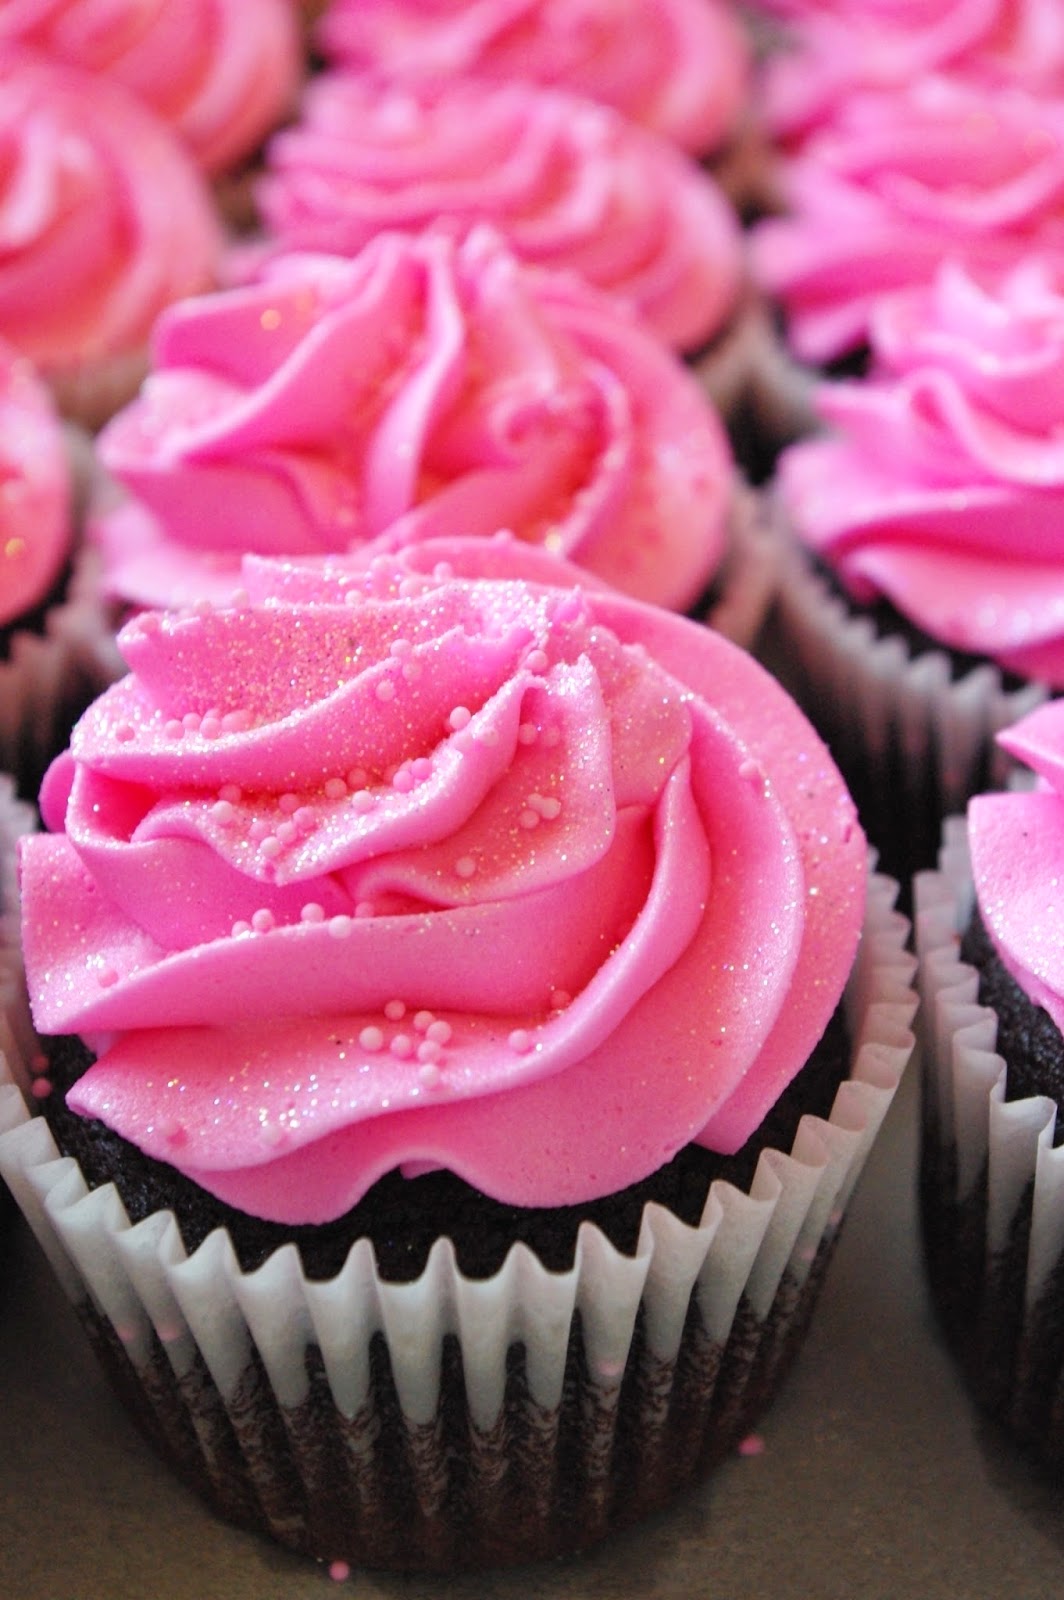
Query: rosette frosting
<point>437,864</point>
<point>942,484</point>
<point>1016,841</point>
<point>427,387</point>
<point>569,183</point>
<point>35,491</point>
<point>221,73</point>
<point>898,181</point>
<point>888,44</point>
<point>678,67</point>
<point>103,218</point>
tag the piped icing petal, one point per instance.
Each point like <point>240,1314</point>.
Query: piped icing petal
<point>221,73</point>
<point>940,481</point>
<point>104,220</point>
<point>678,67</point>
<point>426,388</point>
<point>648,904</point>
<point>571,185</point>
<point>35,491</point>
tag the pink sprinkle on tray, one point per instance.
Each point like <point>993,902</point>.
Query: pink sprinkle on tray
<point>752,1445</point>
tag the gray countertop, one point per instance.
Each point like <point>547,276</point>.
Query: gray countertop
<point>877,1480</point>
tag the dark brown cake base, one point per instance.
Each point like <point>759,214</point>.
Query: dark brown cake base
<point>378,1492</point>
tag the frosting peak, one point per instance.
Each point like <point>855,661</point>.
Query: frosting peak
<point>486,872</point>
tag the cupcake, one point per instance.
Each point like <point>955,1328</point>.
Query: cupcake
<point>222,74</point>
<point>430,1196</point>
<point>429,386</point>
<point>922,602</point>
<point>877,197</point>
<point>987,931</point>
<point>570,184</point>
<point>678,67</point>
<point>105,222</point>
<point>890,44</point>
<point>56,651</point>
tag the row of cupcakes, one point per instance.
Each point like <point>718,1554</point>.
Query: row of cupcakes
<point>916,262</point>
<point>406,844</point>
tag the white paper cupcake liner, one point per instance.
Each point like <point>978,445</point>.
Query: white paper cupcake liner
<point>912,742</point>
<point>992,1183</point>
<point>448,1420</point>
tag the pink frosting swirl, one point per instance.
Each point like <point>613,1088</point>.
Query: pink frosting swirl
<point>35,509</point>
<point>426,387</point>
<point>221,73</point>
<point>888,44</point>
<point>570,184</point>
<point>424,864</point>
<point>678,67</point>
<point>897,182</point>
<point>103,218</point>
<point>1017,850</point>
<point>942,486</point>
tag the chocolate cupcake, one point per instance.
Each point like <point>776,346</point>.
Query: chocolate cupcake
<point>460,1024</point>
<point>992,1197</point>
<point>921,606</point>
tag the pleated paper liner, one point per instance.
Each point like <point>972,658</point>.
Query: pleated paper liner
<point>448,1421</point>
<point>992,1183</point>
<point>912,739</point>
